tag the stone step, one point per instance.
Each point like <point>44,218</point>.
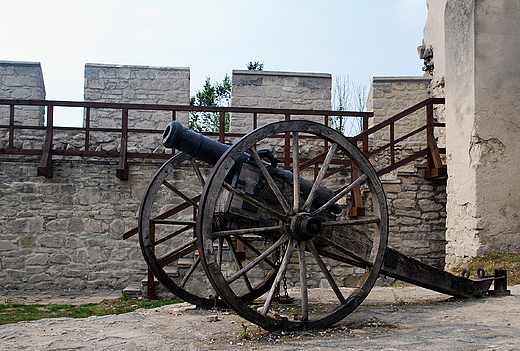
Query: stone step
<point>185,262</point>
<point>171,271</point>
<point>225,246</point>
<point>133,290</point>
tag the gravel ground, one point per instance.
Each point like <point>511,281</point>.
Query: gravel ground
<point>402,318</point>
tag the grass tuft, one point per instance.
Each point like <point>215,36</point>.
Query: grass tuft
<point>490,262</point>
<point>16,312</point>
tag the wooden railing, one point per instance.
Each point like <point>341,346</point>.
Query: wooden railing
<point>435,168</point>
<point>45,168</point>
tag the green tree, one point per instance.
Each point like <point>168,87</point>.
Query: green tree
<point>213,95</point>
<point>255,66</point>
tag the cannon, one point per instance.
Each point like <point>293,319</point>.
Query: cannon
<point>250,224</point>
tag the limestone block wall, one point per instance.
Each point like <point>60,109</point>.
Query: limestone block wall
<point>389,96</point>
<point>135,84</point>
<point>417,212</point>
<point>65,232</point>
<point>417,206</point>
<point>287,90</point>
<point>22,81</point>
<point>482,113</point>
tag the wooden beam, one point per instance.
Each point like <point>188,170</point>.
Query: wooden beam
<point>122,169</point>
<point>45,168</point>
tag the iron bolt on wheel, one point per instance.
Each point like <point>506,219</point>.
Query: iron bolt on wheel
<point>304,222</point>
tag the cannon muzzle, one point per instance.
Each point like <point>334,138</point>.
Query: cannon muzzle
<point>176,136</point>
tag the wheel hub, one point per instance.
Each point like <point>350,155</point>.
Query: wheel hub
<point>304,226</point>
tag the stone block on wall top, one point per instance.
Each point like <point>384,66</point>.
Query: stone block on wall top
<point>22,81</point>
<point>270,89</point>
<point>389,96</point>
<point>138,85</point>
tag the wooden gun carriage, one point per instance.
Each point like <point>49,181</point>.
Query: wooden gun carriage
<point>249,224</point>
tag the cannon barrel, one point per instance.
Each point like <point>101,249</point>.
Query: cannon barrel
<point>176,136</point>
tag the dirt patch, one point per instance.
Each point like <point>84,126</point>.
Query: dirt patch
<point>404,318</point>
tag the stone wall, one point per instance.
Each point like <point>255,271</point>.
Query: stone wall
<point>434,36</point>
<point>135,84</point>
<point>22,81</point>
<point>416,205</point>
<point>389,96</point>
<point>417,212</point>
<point>65,232</point>
<point>287,90</point>
<point>482,113</point>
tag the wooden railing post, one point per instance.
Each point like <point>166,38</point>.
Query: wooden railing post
<point>151,278</point>
<point>392,145</point>
<point>122,169</point>
<point>434,166</point>
<point>222,127</point>
<point>174,118</point>
<point>325,142</point>
<point>287,147</point>
<point>356,202</point>
<point>365,136</point>
<point>87,129</point>
<point>11,126</point>
<point>45,168</point>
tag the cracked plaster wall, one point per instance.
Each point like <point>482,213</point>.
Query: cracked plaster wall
<point>482,125</point>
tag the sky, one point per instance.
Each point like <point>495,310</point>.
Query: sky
<point>361,39</point>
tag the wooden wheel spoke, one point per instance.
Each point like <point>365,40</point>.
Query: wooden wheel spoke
<point>303,281</point>
<point>197,172</point>
<point>254,202</point>
<point>270,181</point>
<point>279,275</point>
<point>189,272</point>
<point>179,193</point>
<point>321,175</point>
<point>219,251</point>
<point>168,237</point>
<point>348,222</point>
<point>239,264</point>
<point>325,271</point>
<point>340,194</point>
<point>347,247</point>
<point>255,250</point>
<point>178,252</point>
<point>257,260</point>
<point>169,222</point>
<point>260,230</point>
<point>178,208</point>
<point>296,172</point>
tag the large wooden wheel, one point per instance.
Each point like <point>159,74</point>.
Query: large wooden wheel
<point>298,222</point>
<point>167,220</point>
